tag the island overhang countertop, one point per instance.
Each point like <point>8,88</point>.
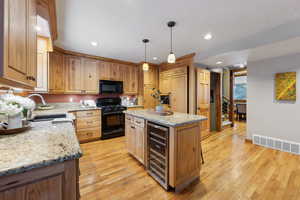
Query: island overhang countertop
<point>177,119</point>
<point>43,145</point>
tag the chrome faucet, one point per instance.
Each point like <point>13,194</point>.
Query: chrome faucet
<point>38,95</point>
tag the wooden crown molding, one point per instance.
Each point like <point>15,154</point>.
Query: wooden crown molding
<point>73,53</point>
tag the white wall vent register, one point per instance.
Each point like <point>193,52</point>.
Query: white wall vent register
<point>278,144</point>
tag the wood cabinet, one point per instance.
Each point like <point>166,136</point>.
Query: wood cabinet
<point>59,181</point>
<point>135,137</point>
<point>203,99</point>
<point>42,65</point>
<point>175,83</point>
<point>88,125</point>
<point>129,76</point>
<point>74,75</point>
<point>56,73</point>
<point>150,82</point>
<point>81,75</point>
<point>90,76</point>
<point>185,149</point>
<point>19,43</point>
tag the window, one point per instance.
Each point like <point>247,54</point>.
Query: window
<point>240,88</point>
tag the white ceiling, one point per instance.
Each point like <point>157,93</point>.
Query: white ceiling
<point>238,26</point>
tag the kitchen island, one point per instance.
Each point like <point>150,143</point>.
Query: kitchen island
<point>41,163</point>
<point>168,146</point>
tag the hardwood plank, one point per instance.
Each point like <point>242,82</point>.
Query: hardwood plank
<point>233,169</point>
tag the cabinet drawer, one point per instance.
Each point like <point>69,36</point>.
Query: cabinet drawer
<point>83,123</point>
<point>139,122</point>
<point>128,118</point>
<point>88,113</point>
<point>87,134</point>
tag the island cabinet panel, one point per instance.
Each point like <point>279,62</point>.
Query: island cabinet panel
<point>135,137</point>
<point>185,153</point>
<point>19,43</point>
<point>56,73</point>
<point>56,182</point>
<point>88,125</point>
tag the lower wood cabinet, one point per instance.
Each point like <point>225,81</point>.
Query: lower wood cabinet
<point>88,125</point>
<point>135,137</point>
<point>56,182</point>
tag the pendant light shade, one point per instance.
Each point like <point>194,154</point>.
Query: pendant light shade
<point>171,56</point>
<point>145,65</point>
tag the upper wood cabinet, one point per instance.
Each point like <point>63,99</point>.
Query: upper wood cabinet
<point>42,65</point>
<point>82,74</point>
<point>90,76</point>
<point>56,73</point>
<point>150,82</point>
<point>20,49</point>
<point>175,83</point>
<point>74,74</point>
<point>151,76</point>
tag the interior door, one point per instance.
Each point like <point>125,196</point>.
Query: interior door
<point>203,99</point>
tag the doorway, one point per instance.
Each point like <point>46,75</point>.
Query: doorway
<point>215,102</point>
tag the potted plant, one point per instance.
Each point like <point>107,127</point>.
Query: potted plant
<point>156,94</point>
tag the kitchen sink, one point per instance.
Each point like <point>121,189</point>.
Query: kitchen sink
<point>39,118</point>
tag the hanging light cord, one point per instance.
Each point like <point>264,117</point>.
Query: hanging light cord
<point>145,52</point>
<point>171,40</point>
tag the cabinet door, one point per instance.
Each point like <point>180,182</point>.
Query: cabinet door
<point>203,100</point>
<point>42,65</point>
<point>149,101</point>
<point>32,43</point>
<point>16,68</point>
<point>133,81</point>
<point>150,76</point>
<point>56,73</point>
<point>140,146</point>
<point>50,188</point>
<point>114,72</point>
<point>125,77</point>
<point>104,71</point>
<point>188,153</point>
<point>91,79</point>
<point>179,94</point>
<point>74,75</point>
<point>130,137</point>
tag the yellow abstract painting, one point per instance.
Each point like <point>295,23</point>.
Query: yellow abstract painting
<point>285,84</point>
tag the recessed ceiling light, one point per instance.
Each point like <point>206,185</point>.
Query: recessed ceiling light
<point>155,58</point>
<point>38,28</point>
<point>208,36</point>
<point>219,62</point>
<point>94,44</point>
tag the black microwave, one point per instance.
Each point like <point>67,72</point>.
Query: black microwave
<point>110,87</point>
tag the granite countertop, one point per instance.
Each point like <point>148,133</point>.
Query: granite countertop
<point>134,106</point>
<point>43,145</point>
<point>177,119</point>
<point>61,108</point>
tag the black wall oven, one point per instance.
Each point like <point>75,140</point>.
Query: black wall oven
<point>110,87</point>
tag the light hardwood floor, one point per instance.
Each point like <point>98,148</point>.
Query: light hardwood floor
<point>233,169</point>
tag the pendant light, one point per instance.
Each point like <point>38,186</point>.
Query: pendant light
<point>145,65</point>
<point>171,56</point>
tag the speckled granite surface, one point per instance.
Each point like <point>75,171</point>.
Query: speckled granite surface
<point>135,106</point>
<point>177,119</point>
<point>44,144</point>
<point>61,108</point>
